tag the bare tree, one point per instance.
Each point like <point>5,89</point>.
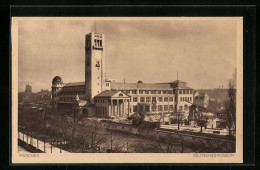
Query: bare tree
<point>201,119</point>
<point>44,121</point>
<point>179,117</point>
<point>74,120</point>
<point>229,113</point>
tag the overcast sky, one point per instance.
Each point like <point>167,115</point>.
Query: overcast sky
<point>202,52</point>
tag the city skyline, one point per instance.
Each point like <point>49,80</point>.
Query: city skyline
<point>202,52</point>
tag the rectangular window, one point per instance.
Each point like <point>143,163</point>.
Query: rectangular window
<point>166,99</point>
<point>184,91</point>
<point>134,92</point>
<point>164,92</point>
<point>135,99</point>
<point>146,91</point>
<point>169,92</point>
<point>181,99</point>
<point>160,99</point>
<point>141,99</point>
<point>175,98</point>
<point>127,91</point>
<point>159,92</point>
<point>180,92</point>
<point>160,107</point>
<point>154,99</point>
<point>147,108</point>
<point>154,108</point>
<point>135,108</point>
<point>171,107</point>
<point>165,107</point>
<point>148,99</point>
<point>190,99</point>
<point>171,99</point>
<point>153,92</point>
<point>140,91</point>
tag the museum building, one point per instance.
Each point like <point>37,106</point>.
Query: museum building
<point>99,96</point>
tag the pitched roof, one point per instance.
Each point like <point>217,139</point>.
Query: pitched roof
<point>179,81</point>
<point>140,86</point>
<point>75,84</point>
<point>108,93</point>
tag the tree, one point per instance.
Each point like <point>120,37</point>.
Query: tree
<point>179,117</point>
<point>74,120</point>
<point>44,120</point>
<point>201,119</point>
<point>229,113</point>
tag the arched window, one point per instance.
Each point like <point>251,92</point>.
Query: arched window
<point>186,107</point>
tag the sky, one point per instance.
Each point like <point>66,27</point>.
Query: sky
<point>203,52</point>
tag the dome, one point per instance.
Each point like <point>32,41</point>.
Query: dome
<point>139,81</point>
<point>57,79</point>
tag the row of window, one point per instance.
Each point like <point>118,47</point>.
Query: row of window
<point>185,91</point>
<point>153,99</point>
<point>154,107</point>
<point>186,107</point>
<point>99,100</point>
<point>189,99</point>
<point>71,98</point>
<point>72,92</point>
<point>101,110</point>
<point>148,91</point>
<point>157,91</point>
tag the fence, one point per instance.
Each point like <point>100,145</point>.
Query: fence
<point>45,147</point>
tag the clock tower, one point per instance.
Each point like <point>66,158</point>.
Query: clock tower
<point>94,65</point>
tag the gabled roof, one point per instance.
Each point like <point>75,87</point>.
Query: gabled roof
<point>183,88</point>
<point>112,93</point>
<point>75,84</point>
<point>140,86</point>
<point>179,81</point>
<point>201,96</point>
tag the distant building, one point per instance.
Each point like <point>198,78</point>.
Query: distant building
<point>105,97</point>
<point>202,100</point>
<point>43,95</point>
<point>26,96</point>
<point>28,90</point>
<point>195,93</point>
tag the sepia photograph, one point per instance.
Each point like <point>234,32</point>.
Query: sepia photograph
<point>127,89</point>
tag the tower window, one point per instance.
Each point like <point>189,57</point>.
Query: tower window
<point>100,42</point>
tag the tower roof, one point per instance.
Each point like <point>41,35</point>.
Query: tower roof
<point>56,79</point>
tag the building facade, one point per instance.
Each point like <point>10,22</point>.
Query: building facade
<point>202,100</point>
<point>108,98</point>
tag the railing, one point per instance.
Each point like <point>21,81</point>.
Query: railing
<point>43,146</point>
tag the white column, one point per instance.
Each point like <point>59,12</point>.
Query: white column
<point>117,107</point>
<point>112,113</point>
<point>128,107</point>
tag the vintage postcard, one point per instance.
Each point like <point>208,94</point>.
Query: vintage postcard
<point>127,90</point>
